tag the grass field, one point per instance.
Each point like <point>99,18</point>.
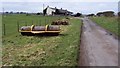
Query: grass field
<point>40,50</point>
<point>11,21</point>
<point>109,23</point>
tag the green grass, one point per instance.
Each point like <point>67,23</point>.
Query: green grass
<point>11,20</point>
<point>109,23</point>
<point>41,50</point>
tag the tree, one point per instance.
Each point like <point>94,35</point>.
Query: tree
<point>91,15</point>
<point>100,14</point>
<point>108,13</point>
<point>38,14</point>
<point>28,14</point>
<point>11,12</point>
<point>17,12</point>
<point>6,12</point>
<point>21,12</point>
<point>77,14</point>
<point>44,11</point>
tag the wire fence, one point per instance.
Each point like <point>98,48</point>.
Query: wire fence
<point>12,23</point>
<point>13,28</point>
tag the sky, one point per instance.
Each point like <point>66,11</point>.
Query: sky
<point>81,6</point>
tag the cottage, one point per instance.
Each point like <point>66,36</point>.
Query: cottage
<point>55,11</point>
<point>49,11</point>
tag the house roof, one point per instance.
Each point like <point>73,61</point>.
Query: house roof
<point>62,11</point>
<point>51,8</point>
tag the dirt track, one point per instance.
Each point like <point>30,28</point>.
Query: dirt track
<point>98,47</point>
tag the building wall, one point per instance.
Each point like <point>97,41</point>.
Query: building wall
<point>49,11</point>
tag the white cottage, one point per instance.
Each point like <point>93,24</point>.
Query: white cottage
<point>55,11</point>
<point>49,11</point>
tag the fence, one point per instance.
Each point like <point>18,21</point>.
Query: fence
<point>13,28</point>
<point>12,23</point>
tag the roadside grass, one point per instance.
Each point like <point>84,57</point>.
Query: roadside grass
<point>109,23</point>
<point>42,50</point>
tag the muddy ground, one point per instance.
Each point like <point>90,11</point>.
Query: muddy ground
<point>98,47</point>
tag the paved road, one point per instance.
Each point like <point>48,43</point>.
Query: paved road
<point>98,47</point>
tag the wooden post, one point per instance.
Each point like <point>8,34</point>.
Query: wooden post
<point>24,23</point>
<point>45,21</point>
<point>18,26</point>
<point>4,29</point>
<point>38,22</point>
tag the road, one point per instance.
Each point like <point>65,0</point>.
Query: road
<point>98,47</point>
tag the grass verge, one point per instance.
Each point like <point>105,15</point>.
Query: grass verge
<point>109,23</point>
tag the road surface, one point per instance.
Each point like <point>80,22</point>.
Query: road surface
<point>98,47</point>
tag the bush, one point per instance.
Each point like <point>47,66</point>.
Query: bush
<point>78,15</point>
<point>91,15</point>
<point>109,13</point>
<point>27,14</point>
<point>100,14</point>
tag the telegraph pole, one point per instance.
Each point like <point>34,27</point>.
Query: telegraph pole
<point>43,10</point>
<point>3,12</point>
<point>43,6</point>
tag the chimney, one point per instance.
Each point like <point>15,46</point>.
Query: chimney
<point>55,8</point>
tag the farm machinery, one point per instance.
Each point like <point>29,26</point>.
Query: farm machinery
<point>53,29</point>
<point>45,30</point>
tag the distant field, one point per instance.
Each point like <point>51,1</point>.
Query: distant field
<point>40,50</point>
<point>109,23</point>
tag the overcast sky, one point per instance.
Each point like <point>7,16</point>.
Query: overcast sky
<point>82,6</point>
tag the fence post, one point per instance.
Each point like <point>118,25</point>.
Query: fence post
<point>4,29</point>
<point>18,26</point>
<point>45,21</point>
<point>40,22</point>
